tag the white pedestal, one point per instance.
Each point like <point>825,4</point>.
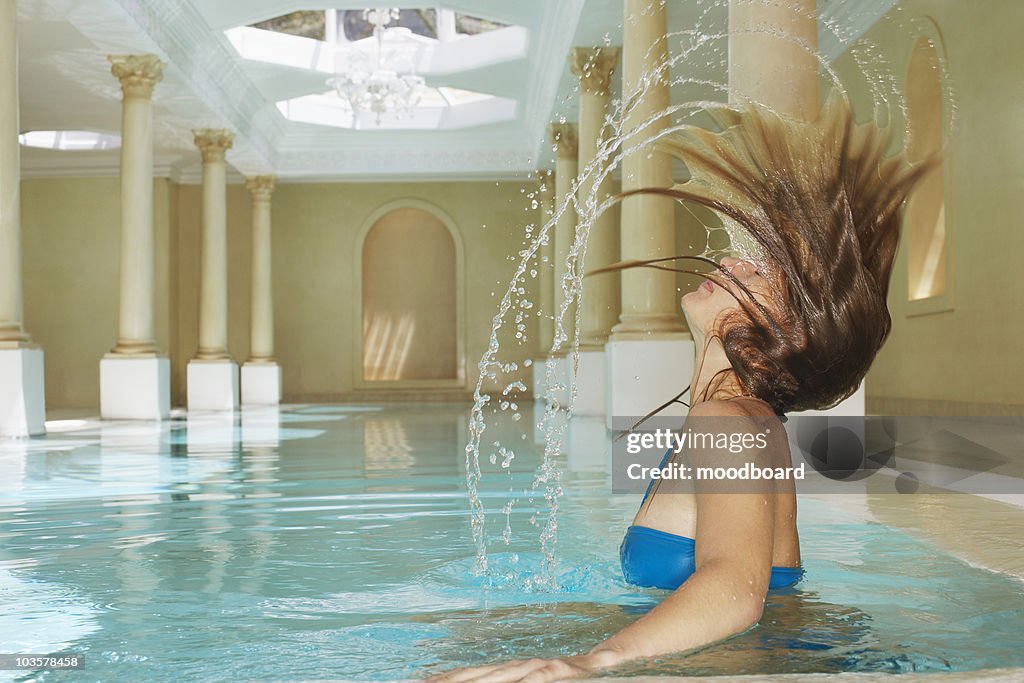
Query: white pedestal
<point>22,393</point>
<point>212,385</point>
<point>135,388</point>
<point>557,424</point>
<point>561,375</point>
<point>538,377</point>
<point>818,436</point>
<point>261,384</point>
<point>851,407</point>
<point>589,443</point>
<point>644,373</point>
<point>591,385</point>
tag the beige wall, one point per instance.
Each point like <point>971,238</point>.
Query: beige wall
<point>71,256</point>
<point>71,249</point>
<point>966,360</point>
<point>316,231</point>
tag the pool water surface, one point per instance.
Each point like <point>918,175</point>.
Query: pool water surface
<point>334,542</point>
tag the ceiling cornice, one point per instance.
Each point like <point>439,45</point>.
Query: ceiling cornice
<point>555,36</point>
<point>205,61</point>
<point>86,165</point>
<point>380,164</point>
<point>854,17</point>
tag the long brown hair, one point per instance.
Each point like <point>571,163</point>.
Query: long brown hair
<point>823,205</point>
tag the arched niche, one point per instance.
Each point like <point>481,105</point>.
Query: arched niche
<point>410,299</point>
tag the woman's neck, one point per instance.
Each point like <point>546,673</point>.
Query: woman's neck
<point>713,375</point>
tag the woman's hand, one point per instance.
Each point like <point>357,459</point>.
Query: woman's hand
<point>531,670</point>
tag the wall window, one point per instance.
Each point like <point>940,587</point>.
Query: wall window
<point>925,223</point>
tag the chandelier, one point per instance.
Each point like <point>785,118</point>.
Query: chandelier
<point>379,89</point>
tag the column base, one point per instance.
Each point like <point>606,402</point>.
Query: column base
<point>591,384</point>
<point>135,388</point>
<point>261,384</point>
<point>212,385</point>
<point>644,373</point>
<point>538,376</point>
<point>22,392</point>
<point>854,406</point>
<point>561,375</point>
<point>557,424</point>
<point>589,444</point>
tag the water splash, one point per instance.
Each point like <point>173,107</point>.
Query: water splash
<point>697,69</point>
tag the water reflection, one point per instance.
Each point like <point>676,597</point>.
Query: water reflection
<point>345,538</point>
<point>798,632</point>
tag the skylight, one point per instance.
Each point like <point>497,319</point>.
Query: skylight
<point>433,44</point>
<point>349,25</point>
<point>70,140</point>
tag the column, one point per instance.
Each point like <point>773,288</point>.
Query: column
<point>600,301</point>
<point>650,353</point>
<point>135,378</point>
<point>22,395</point>
<point>773,55</point>
<point>546,292</point>
<point>773,61</point>
<point>212,374</point>
<point>563,137</point>
<point>261,375</point>
<point>546,263</point>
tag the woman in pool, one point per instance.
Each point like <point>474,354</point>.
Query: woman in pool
<point>792,325</point>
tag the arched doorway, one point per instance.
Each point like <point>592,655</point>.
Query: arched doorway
<point>410,299</point>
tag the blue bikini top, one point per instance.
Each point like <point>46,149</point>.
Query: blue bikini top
<point>652,558</point>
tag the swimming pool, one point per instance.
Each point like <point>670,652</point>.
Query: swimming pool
<point>333,542</point>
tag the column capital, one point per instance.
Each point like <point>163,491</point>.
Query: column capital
<point>564,138</point>
<point>594,67</point>
<point>137,73</point>
<point>261,186</point>
<point>213,142</point>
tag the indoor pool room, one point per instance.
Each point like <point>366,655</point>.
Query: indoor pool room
<point>492,342</point>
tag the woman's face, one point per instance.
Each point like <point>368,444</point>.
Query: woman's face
<point>705,306</point>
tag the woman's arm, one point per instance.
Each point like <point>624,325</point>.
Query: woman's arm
<point>734,540</point>
<point>723,597</point>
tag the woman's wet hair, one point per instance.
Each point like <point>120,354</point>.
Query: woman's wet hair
<point>822,204</point>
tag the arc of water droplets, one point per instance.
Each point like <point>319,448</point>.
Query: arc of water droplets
<point>610,153</point>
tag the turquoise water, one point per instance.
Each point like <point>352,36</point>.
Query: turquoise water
<point>333,542</point>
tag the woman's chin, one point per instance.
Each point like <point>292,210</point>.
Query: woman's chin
<point>691,316</point>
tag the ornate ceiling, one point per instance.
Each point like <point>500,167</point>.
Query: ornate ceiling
<point>208,83</point>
